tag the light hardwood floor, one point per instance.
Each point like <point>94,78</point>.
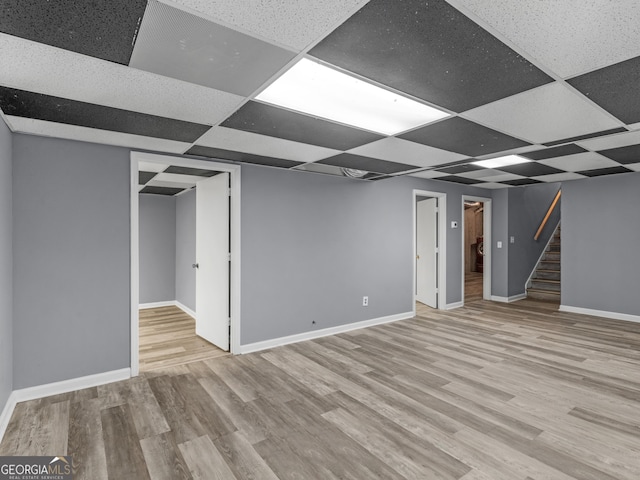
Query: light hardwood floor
<point>485,392</point>
<point>168,338</point>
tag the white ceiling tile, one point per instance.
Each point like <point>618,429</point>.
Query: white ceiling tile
<point>177,178</point>
<point>85,134</point>
<point>559,177</point>
<point>403,151</point>
<point>580,162</point>
<point>429,174</point>
<point>568,36</point>
<point>489,174</point>
<point>492,186</point>
<point>611,141</point>
<point>157,183</point>
<point>515,151</point>
<point>543,114</point>
<point>52,71</point>
<point>633,166</point>
<point>151,166</point>
<point>232,139</point>
<point>294,24</point>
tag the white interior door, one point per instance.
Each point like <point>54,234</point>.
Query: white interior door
<point>426,252</point>
<point>212,257</point>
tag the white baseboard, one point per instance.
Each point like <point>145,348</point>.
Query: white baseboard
<point>41,391</point>
<point>300,337</point>
<point>185,309</point>
<point>512,298</point>
<point>7,411</point>
<point>451,306</point>
<point>600,313</point>
<point>56,388</point>
<point>168,303</point>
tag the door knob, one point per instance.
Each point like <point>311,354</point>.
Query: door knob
<point>195,265</point>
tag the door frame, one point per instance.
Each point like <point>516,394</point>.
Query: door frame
<point>234,281</point>
<point>486,233</point>
<point>441,294</point>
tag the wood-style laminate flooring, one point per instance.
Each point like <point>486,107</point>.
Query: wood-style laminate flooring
<point>168,338</point>
<point>486,392</point>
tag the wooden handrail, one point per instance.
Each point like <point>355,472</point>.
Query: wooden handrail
<point>546,217</point>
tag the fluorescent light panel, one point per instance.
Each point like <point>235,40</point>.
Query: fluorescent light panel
<point>501,161</point>
<point>315,89</point>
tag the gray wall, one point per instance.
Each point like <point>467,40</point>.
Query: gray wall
<point>6,267</point>
<point>601,243</point>
<point>527,207</point>
<point>313,246</point>
<point>71,256</point>
<point>185,254</point>
<point>500,233</point>
<point>157,215</point>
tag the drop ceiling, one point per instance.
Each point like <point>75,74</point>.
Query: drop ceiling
<point>554,82</point>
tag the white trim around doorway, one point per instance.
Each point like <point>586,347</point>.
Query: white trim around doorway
<point>486,232</point>
<point>234,172</point>
<point>442,246</point>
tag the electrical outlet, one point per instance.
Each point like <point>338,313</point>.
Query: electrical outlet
<point>365,301</point>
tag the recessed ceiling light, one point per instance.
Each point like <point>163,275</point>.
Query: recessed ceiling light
<point>501,161</point>
<point>315,89</point>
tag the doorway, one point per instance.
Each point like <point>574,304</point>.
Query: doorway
<point>224,191</point>
<point>476,248</point>
<point>429,252</point>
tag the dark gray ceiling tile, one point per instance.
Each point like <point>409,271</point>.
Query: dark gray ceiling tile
<point>162,190</point>
<point>105,30</point>
<point>241,157</point>
<point>460,169</point>
<point>265,119</point>
<point>531,169</point>
<point>198,172</point>
<point>601,133</point>
<point>462,136</point>
<point>614,88</point>
<point>605,171</point>
<point>178,44</point>
<point>456,179</point>
<point>144,177</point>
<point>553,152</point>
<point>61,110</point>
<point>521,181</point>
<point>630,154</point>
<point>357,162</point>
<point>429,50</point>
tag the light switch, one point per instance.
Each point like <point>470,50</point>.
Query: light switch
<point>454,224</point>
<point>499,245</point>
<point>512,239</point>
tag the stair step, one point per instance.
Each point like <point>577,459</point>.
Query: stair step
<point>545,284</point>
<point>543,295</point>
<point>541,274</point>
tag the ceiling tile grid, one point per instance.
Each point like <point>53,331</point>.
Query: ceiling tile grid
<point>553,82</point>
<point>169,180</point>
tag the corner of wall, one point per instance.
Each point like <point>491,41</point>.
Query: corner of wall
<point>6,272</point>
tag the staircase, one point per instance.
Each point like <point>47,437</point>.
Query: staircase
<point>545,281</point>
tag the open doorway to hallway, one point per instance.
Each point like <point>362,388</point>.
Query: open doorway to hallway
<point>199,318</point>
<point>476,248</point>
<point>429,272</point>
<point>473,249</point>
